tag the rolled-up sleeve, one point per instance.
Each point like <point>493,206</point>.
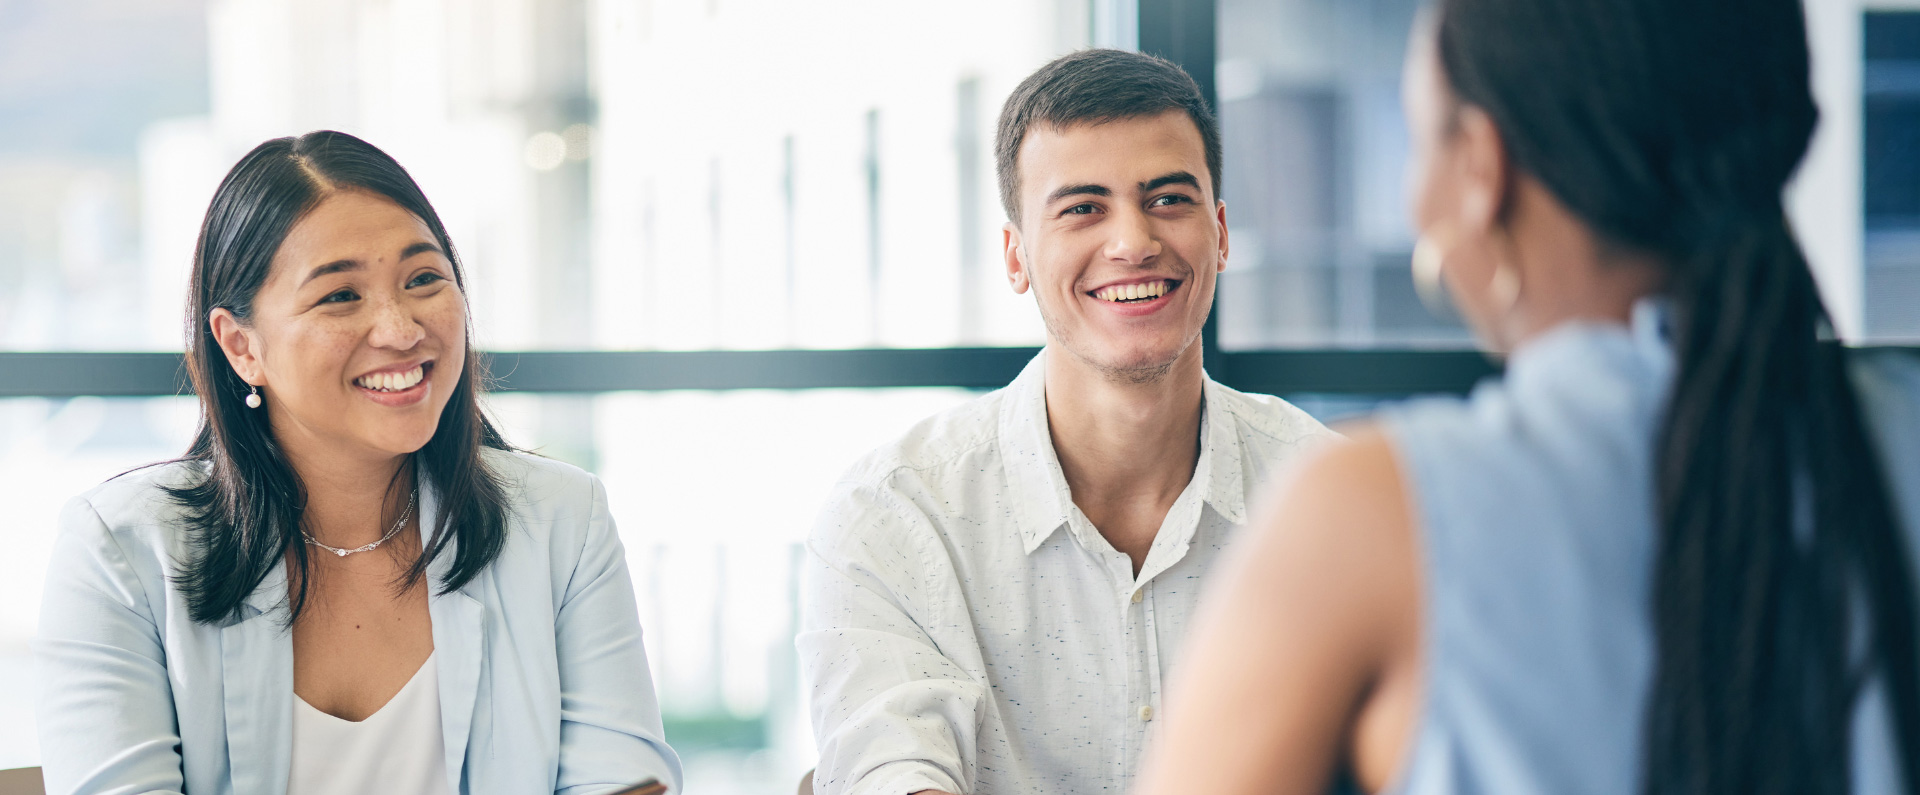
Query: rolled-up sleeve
<point>610,729</point>
<point>104,703</point>
<point>892,714</point>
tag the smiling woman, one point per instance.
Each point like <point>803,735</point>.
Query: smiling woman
<point>321,271</point>
<point>192,641</point>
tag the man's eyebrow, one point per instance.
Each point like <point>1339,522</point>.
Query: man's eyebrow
<point>421,247</point>
<point>337,266</point>
<point>1078,190</point>
<point>1175,178</point>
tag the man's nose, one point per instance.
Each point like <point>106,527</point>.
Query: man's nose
<point>1132,239</point>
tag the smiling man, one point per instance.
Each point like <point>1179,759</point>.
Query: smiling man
<point>994,600</point>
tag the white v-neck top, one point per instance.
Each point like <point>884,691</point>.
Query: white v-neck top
<point>396,749</point>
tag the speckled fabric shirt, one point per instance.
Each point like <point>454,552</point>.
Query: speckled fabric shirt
<point>966,629</point>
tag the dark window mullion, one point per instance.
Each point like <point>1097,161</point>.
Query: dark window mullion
<point>1370,372</point>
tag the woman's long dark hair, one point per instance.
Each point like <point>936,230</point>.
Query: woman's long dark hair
<point>245,516</point>
<point>1671,127</point>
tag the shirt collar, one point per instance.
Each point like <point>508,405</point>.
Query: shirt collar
<point>1035,485</point>
<point>1223,451</point>
<point>1037,488</point>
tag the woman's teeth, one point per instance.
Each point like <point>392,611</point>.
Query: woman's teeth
<point>1143,291</point>
<point>391,382</point>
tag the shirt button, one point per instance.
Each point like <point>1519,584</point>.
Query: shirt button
<point>1146,713</point>
<point>1137,596</point>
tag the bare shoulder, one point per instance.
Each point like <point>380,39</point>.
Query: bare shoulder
<point>1338,528</point>
<point>1352,485</point>
<point>1342,530</point>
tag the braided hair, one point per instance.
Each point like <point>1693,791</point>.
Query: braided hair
<point>1671,127</point>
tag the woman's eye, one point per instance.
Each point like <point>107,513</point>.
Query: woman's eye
<point>425,279</point>
<point>340,297</point>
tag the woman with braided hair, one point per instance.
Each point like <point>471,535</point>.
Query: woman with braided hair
<point>1672,550</point>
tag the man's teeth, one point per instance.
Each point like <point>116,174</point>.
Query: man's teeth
<point>1134,292</point>
<point>392,382</point>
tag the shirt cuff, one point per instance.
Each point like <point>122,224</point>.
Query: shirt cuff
<point>902,778</point>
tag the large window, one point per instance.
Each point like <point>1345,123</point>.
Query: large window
<point>618,174</point>
<point>1315,148</point>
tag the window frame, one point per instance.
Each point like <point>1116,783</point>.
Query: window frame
<point>1384,372</point>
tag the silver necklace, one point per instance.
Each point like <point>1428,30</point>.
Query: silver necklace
<point>404,515</point>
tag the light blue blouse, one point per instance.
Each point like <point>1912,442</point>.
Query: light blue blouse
<point>544,684</point>
<point>1535,500</point>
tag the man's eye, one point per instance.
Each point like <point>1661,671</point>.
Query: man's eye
<point>1169,199</point>
<point>340,297</point>
<point>1079,209</point>
<point>425,279</point>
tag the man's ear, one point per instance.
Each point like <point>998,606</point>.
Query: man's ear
<point>1016,264</point>
<point>1220,218</point>
<point>239,344</point>
<point>1487,174</point>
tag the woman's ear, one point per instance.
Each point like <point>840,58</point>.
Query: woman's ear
<point>240,345</point>
<point>1486,177</point>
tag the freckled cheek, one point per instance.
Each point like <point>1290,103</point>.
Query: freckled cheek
<point>445,319</point>
<point>319,355</point>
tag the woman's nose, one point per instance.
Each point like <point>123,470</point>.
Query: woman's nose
<point>394,326</point>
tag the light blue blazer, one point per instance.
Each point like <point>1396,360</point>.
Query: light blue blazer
<point>543,679</point>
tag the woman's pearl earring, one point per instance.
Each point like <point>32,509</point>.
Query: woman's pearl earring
<point>253,398</point>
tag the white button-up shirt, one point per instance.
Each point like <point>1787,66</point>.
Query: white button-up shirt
<point>967,629</point>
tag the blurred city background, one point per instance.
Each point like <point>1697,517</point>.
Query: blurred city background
<point>739,174</point>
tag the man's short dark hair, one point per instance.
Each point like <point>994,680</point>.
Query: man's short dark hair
<point>1094,87</point>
